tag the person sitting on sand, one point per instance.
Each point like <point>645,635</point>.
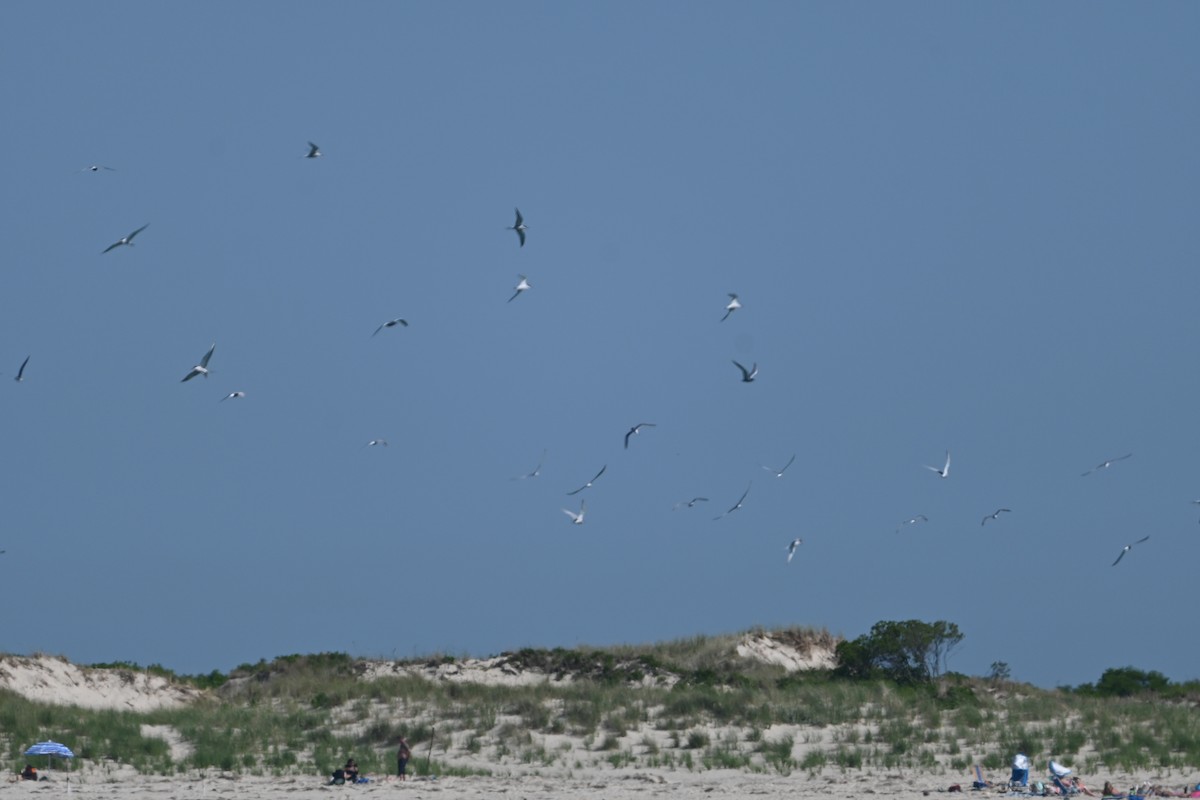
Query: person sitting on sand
<point>1079,787</point>
<point>351,770</point>
<point>29,773</point>
<point>1111,791</point>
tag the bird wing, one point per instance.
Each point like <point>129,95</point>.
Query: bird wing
<point>520,220</point>
<point>727,313</point>
<point>598,474</point>
<point>629,433</point>
<point>1123,552</point>
<point>111,246</point>
<point>189,376</point>
<point>514,297</point>
<point>21,371</point>
<point>521,236</point>
<point>208,355</point>
<point>570,514</point>
<point>129,238</point>
<point>745,372</point>
<point>1139,541</point>
<point>377,330</point>
<point>785,466</point>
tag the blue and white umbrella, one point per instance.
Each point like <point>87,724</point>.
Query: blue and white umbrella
<point>50,748</point>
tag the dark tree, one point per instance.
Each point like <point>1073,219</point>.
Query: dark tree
<point>906,652</point>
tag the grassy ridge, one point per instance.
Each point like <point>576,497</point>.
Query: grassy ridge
<point>689,704</point>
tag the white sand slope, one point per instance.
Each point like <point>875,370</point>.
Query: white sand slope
<point>47,679</point>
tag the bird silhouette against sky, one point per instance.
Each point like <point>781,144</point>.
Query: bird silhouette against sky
<point>636,429</point>
<point>748,375</point>
<point>125,240</point>
<point>522,286</point>
<point>736,505</point>
<point>588,485</point>
<point>1106,464</point>
<point>1127,548</point>
<point>202,367</point>
<point>520,227</point>
<point>943,472</point>
<point>733,306</point>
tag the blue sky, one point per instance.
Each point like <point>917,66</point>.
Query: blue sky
<point>952,226</point>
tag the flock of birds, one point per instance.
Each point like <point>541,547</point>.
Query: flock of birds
<point>748,375</point>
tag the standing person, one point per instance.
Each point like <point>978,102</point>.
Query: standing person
<point>402,756</point>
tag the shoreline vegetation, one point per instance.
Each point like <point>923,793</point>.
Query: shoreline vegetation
<point>765,702</point>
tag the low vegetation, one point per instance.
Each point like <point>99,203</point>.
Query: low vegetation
<point>686,705</point>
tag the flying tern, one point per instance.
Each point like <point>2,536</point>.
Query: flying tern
<point>520,287</point>
<point>791,548</point>
<point>736,505</point>
<point>733,306</point>
<point>589,483</point>
<point>748,375</point>
<point>232,396</point>
<point>690,503</point>
<point>536,470</point>
<point>779,472</point>
<point>377,443</point>
<point>1127,548</point>
<point>96,168</point>
<point>520,227</point>
<point>313,151</point>
<point>944,472</point>
<point>996,515</point>
<point>128,240</point>
<point>577,518</point>
<point>21,372</point>
<point>391,323</point>
<point>202,367</point>
<point>1106,464</point>
<point>913,521</point>
<point>636,429</point>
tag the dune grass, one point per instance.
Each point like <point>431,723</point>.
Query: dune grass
<point>685,705</point>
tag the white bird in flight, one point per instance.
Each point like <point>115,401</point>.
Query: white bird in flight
<point>689,503</point>
<point>21,372</point>
<point>733,306</point>
<point>589,483</point>
<point>232,396</point>
<point>127,240</point>
<point>1106,464</point>
<point>636,429</point>
<point>520,287</point>
<point>391,323</point>
<point>913,521</point>
<point>377,443</point>
<point>519,226</point>
<point>96,168</point>
<point>202,367</point>
<point>577,518</point>
<point>736,505</point>
<point>944,472</point>
<point>996,515</point>
<point>779,472</point>
<point>1127,548</point>
<point>791,548</point>
<point>536,470</point>
<point>748,375</point>
<point>313,151</point>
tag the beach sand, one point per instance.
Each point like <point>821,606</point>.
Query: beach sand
<point>124,784</point>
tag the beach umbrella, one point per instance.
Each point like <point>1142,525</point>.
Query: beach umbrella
<point>51,749</point>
